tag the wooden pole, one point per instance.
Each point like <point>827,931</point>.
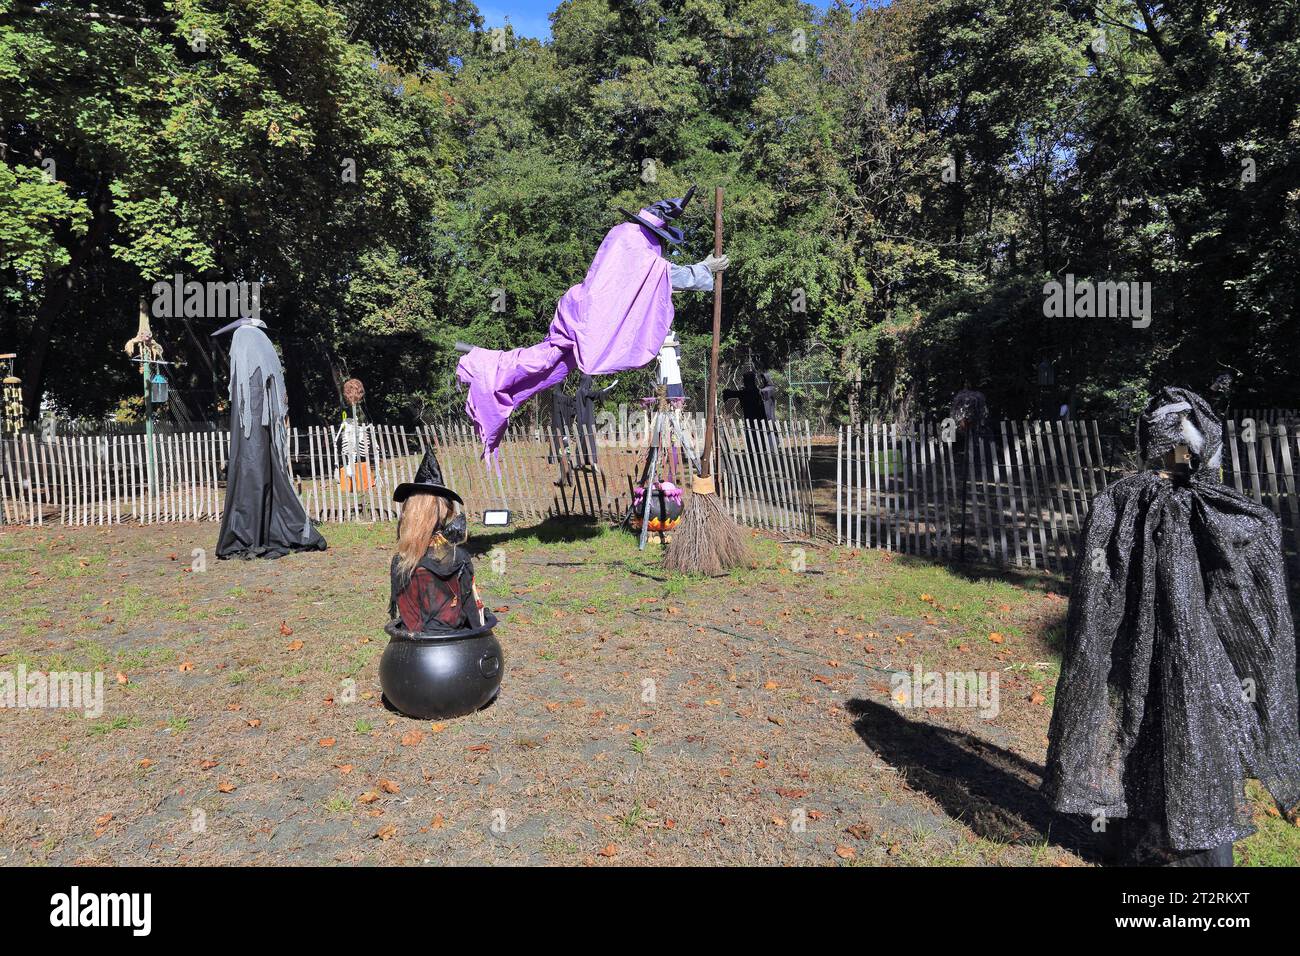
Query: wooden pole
<point>711,412</point>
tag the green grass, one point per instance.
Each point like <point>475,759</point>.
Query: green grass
<point>861,592</point>
<point>104,727</point>
<point>1277,840</point>
<point>338,804</point>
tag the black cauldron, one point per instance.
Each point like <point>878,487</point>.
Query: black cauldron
<point>439,676</point>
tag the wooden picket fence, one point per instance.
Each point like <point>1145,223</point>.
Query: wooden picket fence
<point>1267,416</point>
<point>1017,495</point>
<point>763,472</point>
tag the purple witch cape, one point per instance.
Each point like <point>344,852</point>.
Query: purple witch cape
<point>615,320</point>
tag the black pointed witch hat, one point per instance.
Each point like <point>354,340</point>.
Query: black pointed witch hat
<point>428,481</point>
<point>667,210</point>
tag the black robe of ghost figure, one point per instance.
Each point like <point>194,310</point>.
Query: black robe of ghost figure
<point>263,517</point>
<point>1179,673</point>
<point>757,396</point>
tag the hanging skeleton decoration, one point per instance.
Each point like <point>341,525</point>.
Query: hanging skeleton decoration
<point>263,517</point>
<point>352,438</point>
<point>353,441</point>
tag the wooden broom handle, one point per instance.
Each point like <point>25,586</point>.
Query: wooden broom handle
<point>711,413</point>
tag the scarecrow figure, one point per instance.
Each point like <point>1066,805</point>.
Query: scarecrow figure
<point>1179,676</point>
<point>670,366</point>
<point>616,319</point>
<point>263,517</point>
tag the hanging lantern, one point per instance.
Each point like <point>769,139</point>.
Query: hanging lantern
<point>158,389</point>
<point>1046,373</point>
<point>13,405</point>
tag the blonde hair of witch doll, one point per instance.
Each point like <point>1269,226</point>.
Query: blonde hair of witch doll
<point>420,528</point>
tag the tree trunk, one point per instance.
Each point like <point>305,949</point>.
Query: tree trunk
<point>58,291</point>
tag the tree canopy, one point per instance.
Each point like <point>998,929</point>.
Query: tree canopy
<point>902,183</point>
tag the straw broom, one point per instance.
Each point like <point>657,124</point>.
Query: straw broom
<point>707,541</point>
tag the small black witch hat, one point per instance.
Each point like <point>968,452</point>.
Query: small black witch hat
<point>428,481</point>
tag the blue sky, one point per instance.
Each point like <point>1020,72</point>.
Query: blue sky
<point>530,18</point>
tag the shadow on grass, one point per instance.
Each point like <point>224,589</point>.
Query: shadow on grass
<point>562,530</point>
<point>975,572</point>
<point>991,790</point>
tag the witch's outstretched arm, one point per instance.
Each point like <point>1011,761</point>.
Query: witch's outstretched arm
<point>696,278</point>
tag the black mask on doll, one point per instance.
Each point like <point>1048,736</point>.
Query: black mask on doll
<point>457,530</point>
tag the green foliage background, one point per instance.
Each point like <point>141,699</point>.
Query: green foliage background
<point>912,174</point>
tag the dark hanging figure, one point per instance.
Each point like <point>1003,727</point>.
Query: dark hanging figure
<point>757,396</point>
<point>1179,678</point>
<point>588,395</point>
<point>263,517</point>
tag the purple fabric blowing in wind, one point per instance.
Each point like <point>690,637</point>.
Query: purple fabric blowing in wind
<point>616,319</point>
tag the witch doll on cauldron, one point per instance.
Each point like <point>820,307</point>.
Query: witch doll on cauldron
<point>442,659</point>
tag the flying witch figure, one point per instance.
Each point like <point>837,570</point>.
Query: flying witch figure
<point>263,517</point>
<point>616,319</point>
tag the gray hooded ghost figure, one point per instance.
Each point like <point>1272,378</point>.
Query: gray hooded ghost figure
<point>263,517</point>
<point>1179,675</point>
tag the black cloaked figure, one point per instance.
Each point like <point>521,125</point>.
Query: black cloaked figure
<point>442,659</point>
<point>585,415</point>
<point>757,396</point>
<point>263,516</point>
<point>1179,674</point>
